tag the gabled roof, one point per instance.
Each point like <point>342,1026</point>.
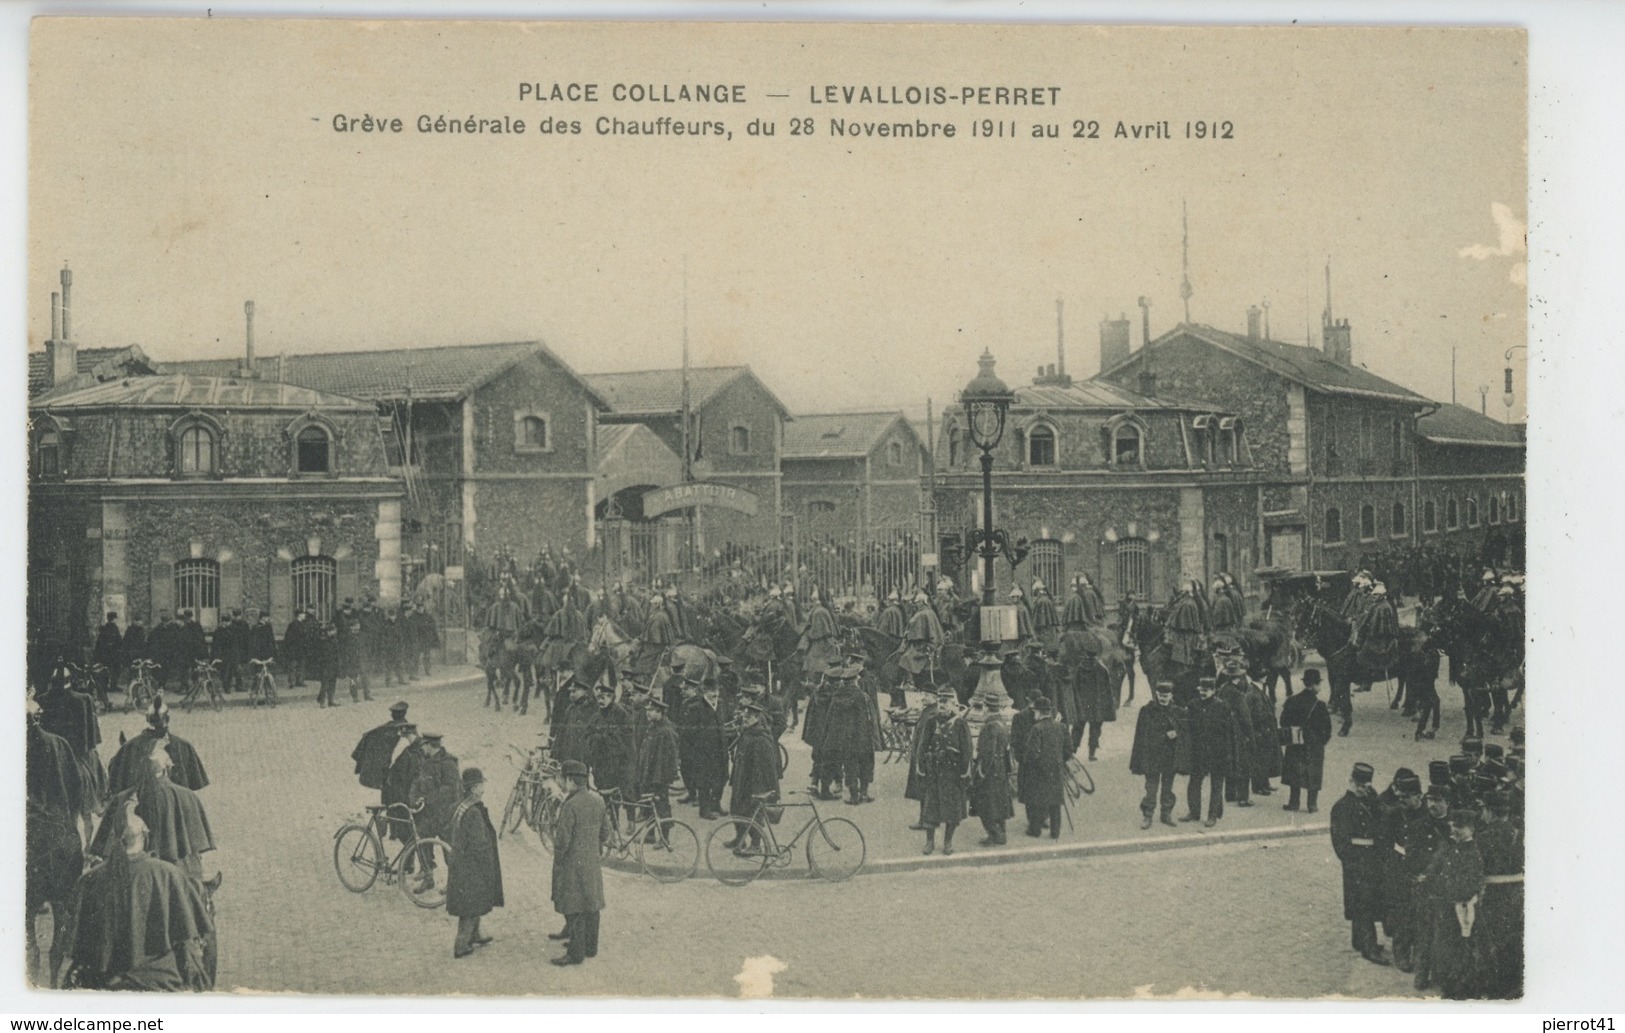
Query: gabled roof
<point>841,435</point>
<point>1307,366</point>
<point>1458,425</point>
<point>97,363</point>
<point>659,392</point>
<point>1097,394</point>
<point>444,373</point>
<point>189,391</point>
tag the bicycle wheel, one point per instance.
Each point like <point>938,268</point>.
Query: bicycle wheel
<point>736,865</point>
<point>424,867</point>
<point>542,818</point>
<point>784,759</point>
<point>270,690</point>
<point>835,850</point>
<point>674,852</point>
<point>513,812</point>
<point>357,857</point>
<point>217,696</point>
<point>1086,781</point>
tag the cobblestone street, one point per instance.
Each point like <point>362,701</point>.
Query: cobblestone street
<point>1260,917</point>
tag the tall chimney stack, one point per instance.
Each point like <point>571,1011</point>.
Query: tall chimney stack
<point>248,363</point>
<point>1254,318</point>
<point>61,354</point>
<point>56,315</point>
<point>67,305</point>
<point>1115,337</point>
<point>1145,320</point>
<point>1060,341</point>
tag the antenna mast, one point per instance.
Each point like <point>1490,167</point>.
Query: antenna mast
<point>1185,291</point>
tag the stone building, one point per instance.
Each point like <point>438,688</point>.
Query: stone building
<point>1470,485</point>
<point>857,470</point>
<point>205,493</point>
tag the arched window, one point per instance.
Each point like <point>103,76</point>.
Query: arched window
<point>1495,508</point>
<point>1041,445</point>
<point>315,585</point>
<point>1048,563</point>
<point>1368,521</point>
<point>1233,452</point>
<point>955,442</point>
<point>197,588</point>
<point>1398,528</point>
<point>48,452</point>
<point>1512,507</point>
<point>1127,445</point>
<point>1452,519</point>
<point>739,439</point>
<point>1430,517</point>
<point>314,450</point>
<point>1134,567</point>
<point>1472,511</point>
<point>1334,524</point>
<point>533,432</point>
<point>894,453</point>
<point>194,451</point>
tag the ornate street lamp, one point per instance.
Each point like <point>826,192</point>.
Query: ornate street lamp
<point>987,402</point>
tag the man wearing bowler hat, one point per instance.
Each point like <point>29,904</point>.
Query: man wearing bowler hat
<point>578,878</point>
<point>474,875</point>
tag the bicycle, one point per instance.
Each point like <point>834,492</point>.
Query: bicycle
<point>263,686</point>
<point>835,854</point>
<point>667,849</point>
<point>144,684</point>
<point>359,858</point>
<point>205,681</point>
<point>532,800</point>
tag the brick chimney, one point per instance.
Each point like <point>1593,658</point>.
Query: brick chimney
<point>1336,341</point>
<point>1148,382</point>
<point>1115,335</point>
<point>248,360</point>
<point>1255,317</point>
<point>61,354</point>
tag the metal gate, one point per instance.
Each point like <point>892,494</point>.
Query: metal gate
<point>859,566</point>
<point>641,552</point>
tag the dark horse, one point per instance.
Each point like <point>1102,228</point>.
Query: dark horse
<point>1157,659</point>
<point>1328,632</point>
<point>1271,649</point>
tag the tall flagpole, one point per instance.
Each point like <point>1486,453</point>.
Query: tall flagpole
<point>688,451</point>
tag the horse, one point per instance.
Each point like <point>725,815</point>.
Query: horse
<point>1271,649</point>
<point>1330,634</point>
<point>609,652</point>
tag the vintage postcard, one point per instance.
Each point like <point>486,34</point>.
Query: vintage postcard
<point>806,511</point>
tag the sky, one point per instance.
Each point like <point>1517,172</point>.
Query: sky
<point>182,167</point>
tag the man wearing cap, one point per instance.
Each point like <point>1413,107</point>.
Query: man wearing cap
<point>352,659</point>
<point>1305,729</point>
<point>942,760</point>
<point>1500,845</point>
<point>657,756</point>
<point>259,641</point>
<point>474,868</point>
<point>581,829</point>
<point>812,733</point>
<point>1215,752</point>
<point>848,733</point>
<point>321,653</point>
<point>375,752</point>
<point>708,749</point>
<point>1424,838</point>
<point>1401,808</point>
<point>571,721</point>
<point>1356,827</point>
<point>1454,884</point>
<point>990,798</point>
<point>398,781</point>
<point>1161,749</point>
<point>296,639</point>
<point>609,744</point>
<point>436,787</point>
<point>1042,758</point>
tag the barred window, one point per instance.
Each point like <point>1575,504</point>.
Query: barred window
<point>1048,563</point>
<point>47,600</point>
<point>1134,567</point>
<point>315,585</point>
<point>197,588</point>
<point>196,451</point>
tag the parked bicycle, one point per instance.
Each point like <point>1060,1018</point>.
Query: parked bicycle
<point>205,685</point>
<point>145,681</point>
<point>667,849</point>
<point>263,687</point>
<point>419,867</point>
<point>533,801</point>
<point>740,849</point>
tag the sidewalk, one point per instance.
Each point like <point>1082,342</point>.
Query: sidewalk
<point>455,676</point>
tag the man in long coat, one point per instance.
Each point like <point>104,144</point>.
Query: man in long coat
<point>943,759</point>
<point>708,751</point>
<point>54,854</point>
<point>178,828</point>
<point>990,782</point>
<point>375,751</point>
<point>1453,889</point>
<point>129,764</point>
<point>437,789</point>
<point>570,722</point>
<point>1356,828</point>
<point>1232,686</point>
<point>109,652</point>
<point>1305,729</point>
<point>755,775</point>
<point>657,757</point>
<point>921,640</point>
<point>1162,748</point>
<point>474,875</point>
<point>579,833</point>
<point>847,733</point>
<point>72,716</point>
<point>609,744</point>
<point>1046,617</point>
<point>1043,771</point>
<point>1215,752</point>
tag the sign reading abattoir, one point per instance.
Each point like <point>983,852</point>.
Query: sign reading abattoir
<point>700,493</point>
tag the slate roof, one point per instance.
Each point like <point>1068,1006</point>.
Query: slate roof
<point>657,392</point>
<point>839,435</point>
<point>88,360</point>
<point>1307,366</point>
<point>1097,394</point>
<point>611,436</point>
<point>189,391</point>
<point>1458,425</point>
<point>443,373</point>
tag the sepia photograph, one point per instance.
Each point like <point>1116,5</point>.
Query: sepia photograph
<point>567,509</point>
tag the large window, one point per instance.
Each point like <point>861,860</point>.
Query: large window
<point>1472,511</point>
<point>1127,446</point>
<point>1399,529</point>
<point>1368,521</point>
<point>1041,445</point>
<point>1048,563</point>
<point>1495,508</point>
<point>195,450</point>
<point>1452,518</point>
<point>1430,517</point>
<point>315,451</point>
<point>197,588</point>
<point>1512,507</point>
<point>1134,567</point>
<point>1368,445</point>
<point>1334,524</point>
<point>315,585</point>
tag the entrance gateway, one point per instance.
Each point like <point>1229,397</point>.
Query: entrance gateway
<point>650,533</point>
